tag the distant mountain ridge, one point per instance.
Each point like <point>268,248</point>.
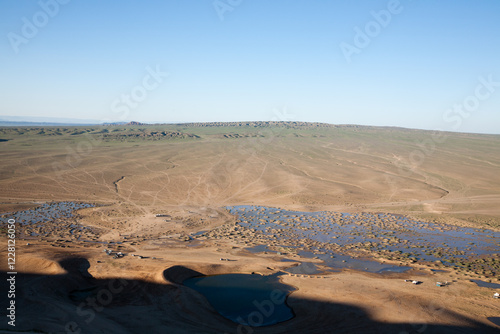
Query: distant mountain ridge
<point>19,121</point>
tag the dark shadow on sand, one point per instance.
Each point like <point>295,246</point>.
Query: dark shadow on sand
<point>76,302</point>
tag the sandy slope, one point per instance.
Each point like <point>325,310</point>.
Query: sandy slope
<point>303,169</point>
<point>145,294</point>
<point>339,169</point>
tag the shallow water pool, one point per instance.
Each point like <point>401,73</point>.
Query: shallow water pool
<point>250,300</point>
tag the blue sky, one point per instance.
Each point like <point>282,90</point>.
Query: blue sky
<point>423,64</point>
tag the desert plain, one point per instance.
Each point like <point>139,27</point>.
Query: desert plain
<point>147,207</point>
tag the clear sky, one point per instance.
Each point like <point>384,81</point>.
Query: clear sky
<point>418,64</point>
